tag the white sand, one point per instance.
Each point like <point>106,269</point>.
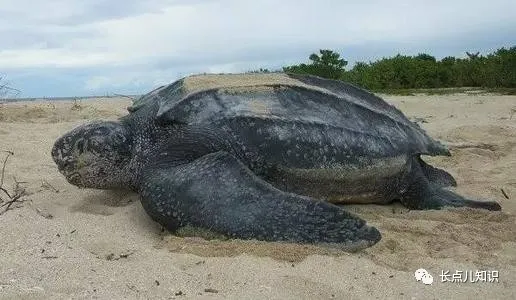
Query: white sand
<point>96,244</point>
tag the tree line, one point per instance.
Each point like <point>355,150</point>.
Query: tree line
<point>494,70</point>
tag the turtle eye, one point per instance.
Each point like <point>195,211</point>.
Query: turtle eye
<point>95,144</point>
<point>118,138</point>
<point>80,145</point>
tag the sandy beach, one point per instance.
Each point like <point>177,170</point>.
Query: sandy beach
<point>62,242</point>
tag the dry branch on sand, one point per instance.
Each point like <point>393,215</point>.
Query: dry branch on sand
<point>76,104</point>
<point>6,90</point>
<point>16,196</point>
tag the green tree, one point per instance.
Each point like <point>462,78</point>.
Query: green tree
<point>327,64</point>
<point>261,70</point>
<point>494,70</point>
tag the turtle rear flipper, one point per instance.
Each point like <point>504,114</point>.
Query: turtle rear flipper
<point>437,176</point>
<point>219,193</point>
<point>425,190</point>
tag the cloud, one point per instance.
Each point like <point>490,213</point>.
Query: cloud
<point>134,43</point>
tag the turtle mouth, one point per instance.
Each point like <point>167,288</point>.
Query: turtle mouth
<point>67,168</point>
<point>74,178</point>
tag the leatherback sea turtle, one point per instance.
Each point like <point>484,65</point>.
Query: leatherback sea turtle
<point>262,156</point>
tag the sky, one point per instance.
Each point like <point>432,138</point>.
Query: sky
<point>60,48</point>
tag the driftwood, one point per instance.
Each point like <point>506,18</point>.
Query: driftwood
<point>504,194</point>
<point>5,89</point>
<point>16,195</point>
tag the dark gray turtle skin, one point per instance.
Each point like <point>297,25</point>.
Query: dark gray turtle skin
<point>262,156</point>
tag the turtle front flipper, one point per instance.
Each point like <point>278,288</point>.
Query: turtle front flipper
<point>219,193</point>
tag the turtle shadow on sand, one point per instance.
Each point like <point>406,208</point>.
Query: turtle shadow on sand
<point>103,202</point>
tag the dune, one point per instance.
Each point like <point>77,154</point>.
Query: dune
<point>59,241</point>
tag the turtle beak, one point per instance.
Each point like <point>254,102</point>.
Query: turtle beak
<point>74,179</point>
<point>61,157</point>
<point>57,154</point>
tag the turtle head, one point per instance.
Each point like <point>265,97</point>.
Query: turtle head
<point>94,155</point>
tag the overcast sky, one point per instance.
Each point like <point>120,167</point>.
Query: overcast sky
<point>93,47</point>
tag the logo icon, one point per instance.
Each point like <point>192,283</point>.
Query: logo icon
<point>423,276</point>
